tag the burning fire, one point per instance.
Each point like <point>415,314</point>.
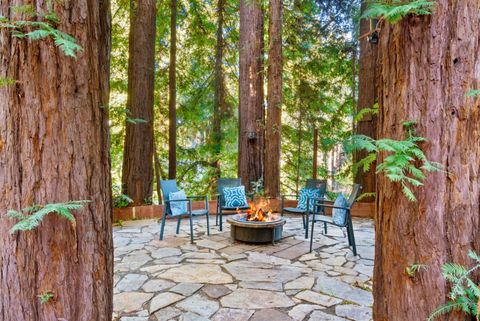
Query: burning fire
<point>257,214</point>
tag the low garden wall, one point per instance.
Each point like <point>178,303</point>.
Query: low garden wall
<point>155,211</point>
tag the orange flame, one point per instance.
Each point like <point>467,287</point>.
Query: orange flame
<point>257,214</point>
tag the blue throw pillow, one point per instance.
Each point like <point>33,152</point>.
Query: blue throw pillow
<point>339,216</point>
<point>306,193</point>
<point>235,197</point>
<point>178,208</point>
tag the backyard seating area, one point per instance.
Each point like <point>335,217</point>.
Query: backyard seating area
<point>218,279</point>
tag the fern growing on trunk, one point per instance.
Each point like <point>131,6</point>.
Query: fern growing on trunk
<point>465,293</point>
<point>30,218</point>
<point>400,165</point>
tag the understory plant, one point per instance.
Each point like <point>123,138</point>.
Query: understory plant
<point>119,199</point>
<point>406,163</point>
<point>465,293</point>
<point>30,217</point>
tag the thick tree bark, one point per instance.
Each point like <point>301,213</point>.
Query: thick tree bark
<point>219,106</point>
<point>54,147</point>
<point>274,101</point>
<point>367,96</point>
<point>137,176</point>
<point>251,110</point>
<point>428,64</point>
<point>172,91</point>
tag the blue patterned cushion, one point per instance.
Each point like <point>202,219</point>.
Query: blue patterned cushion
<point>178,208</point>
<point>235,196</point>
<point>339,216</point>
<point>306,193</point>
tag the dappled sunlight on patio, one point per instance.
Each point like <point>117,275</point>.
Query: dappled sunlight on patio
<point>218,279</point>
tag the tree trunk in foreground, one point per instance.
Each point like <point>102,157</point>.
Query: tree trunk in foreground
<point>172,91</point>
<point>251,110</point>
<point>367,96</point>
<point>137,176</point>
<point>273,128</point>
<point>428,65</point>
<point>54,147</point>
<point>219,99</point>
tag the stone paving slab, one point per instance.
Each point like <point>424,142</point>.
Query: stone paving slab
<point>219,279</point>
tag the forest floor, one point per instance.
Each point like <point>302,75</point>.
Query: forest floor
<point>217,279</point>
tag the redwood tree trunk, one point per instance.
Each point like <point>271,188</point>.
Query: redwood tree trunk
<point>219,106</point>
<point>367,96</point>
<point>251,110</point>
<point>54,147</point>
<point>137,176</point>
<point>428,64</point>
<point>274,101</point>
<point>172,91</point>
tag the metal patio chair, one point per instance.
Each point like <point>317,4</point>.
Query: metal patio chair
<point>329,220</point>
<point>311,183</point>
<point>169,186</point>
<point>221,184</point>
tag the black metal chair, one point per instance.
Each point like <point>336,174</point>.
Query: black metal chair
<point>169,186</point>
<point>311,183</point>
<point>329,220</point>
<point>221,184</point>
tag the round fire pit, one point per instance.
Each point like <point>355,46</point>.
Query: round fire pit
<point>255,231</point>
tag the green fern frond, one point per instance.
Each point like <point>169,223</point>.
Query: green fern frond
<point>473,93</point>
<point>5,81</point>
<point>396,10</point>
<point>444,309</point>
<point>31,217</point>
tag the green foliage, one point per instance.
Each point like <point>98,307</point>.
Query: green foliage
<point>366,195</point>
<point>30,218</point>
<point>395,10</point>
<point>37,30</point>
<point>359,116</point>
<point>413,269</point>
<point>473,93</point>
<point>5,81</point>
<point>465,293</point>
<point>401,163</point>
<point>257,187</point>
<point>45,297</point>
<point>119,199</point>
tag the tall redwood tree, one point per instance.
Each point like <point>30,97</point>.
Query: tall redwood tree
<point>251,110</point>
<point>367,97</point>
<point>274,101</point>
<point>429,63</point>
<point>172,94</point>
<point>137,176</point>
<point>54,147</point>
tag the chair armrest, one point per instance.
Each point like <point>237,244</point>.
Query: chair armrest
<point>296,196</point>
<point>333,206</point>
<point>182,200</point>
<point>197,197</point>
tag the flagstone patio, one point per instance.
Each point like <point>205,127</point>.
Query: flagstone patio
<point>217,279</point>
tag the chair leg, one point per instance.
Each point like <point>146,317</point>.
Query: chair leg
<point>325,228</point>
<point>311,233</point>
<point>191,228</point>
<point>179,222</point>
<point>162,226</point>
<point>208,224</point>
<point>221,219</point>
<point>352,236</point>
<point>216,214</point>
<point>303,220</point>
<point>306,224</point>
